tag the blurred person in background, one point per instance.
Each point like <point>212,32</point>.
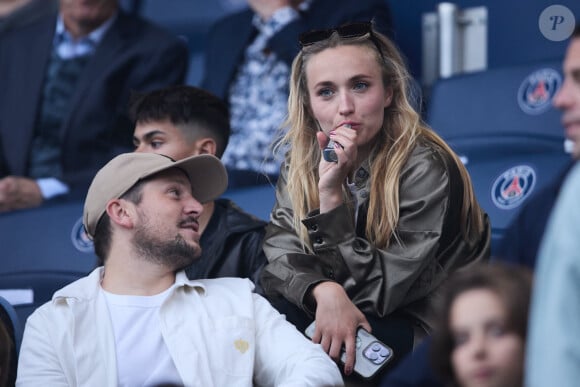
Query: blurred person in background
<point>66,80</point>
<point>554,346</point>
<point>553,354</point>
<point>479,338</point>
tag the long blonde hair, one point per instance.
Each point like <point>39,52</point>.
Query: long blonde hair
<point>401,129</point>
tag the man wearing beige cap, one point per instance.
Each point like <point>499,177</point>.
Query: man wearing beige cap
<point>138,320</point>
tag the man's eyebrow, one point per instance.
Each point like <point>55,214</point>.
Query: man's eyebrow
<point>151,134</point>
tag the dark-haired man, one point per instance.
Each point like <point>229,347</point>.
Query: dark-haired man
<point>183,121</point>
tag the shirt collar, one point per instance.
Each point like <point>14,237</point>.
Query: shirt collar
<point>181,280</point>
<point>89,286</point>
<point>95,37</point>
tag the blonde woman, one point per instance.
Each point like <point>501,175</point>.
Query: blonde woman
<point>370,237</point>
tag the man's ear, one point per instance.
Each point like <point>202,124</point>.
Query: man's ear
<point>205,146</point>
<point>120,212</point>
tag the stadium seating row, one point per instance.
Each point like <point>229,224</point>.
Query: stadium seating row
<point>502,124</point>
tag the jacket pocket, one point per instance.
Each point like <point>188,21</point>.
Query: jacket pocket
<point>233,346</point>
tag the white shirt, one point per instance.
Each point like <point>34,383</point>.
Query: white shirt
<point>142,360</point>
<point>218,333</point>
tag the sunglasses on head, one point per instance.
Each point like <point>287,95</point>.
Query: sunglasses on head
<point>351,30</point>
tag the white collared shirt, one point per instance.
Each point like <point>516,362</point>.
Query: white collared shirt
<point>68,47</point>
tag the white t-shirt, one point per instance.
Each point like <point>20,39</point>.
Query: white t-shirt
<point>142,356</point>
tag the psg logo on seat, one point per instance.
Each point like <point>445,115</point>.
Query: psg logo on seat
<point>537,90</point>
<point>80,239</point>
<point>513,186</point>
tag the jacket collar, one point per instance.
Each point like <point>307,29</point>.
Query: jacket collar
<point>87,288</point>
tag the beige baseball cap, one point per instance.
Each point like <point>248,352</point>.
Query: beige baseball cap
<point>206,173</point>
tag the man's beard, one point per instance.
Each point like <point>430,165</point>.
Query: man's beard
<point>175,253</point>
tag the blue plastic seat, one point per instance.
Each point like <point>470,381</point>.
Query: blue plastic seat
<point>501,123</point>
<point>190,20</point>
<point>43,250</point>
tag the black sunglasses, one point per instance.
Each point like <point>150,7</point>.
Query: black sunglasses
<point>351,30</point>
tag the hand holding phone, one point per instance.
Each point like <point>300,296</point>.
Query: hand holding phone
<point>371,355</point>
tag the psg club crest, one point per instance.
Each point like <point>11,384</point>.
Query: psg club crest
<point>513,186</point>
<point>80,239</point>
<point>537,90</point>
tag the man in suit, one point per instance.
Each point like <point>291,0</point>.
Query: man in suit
<point>247,63</point>
<point>66,80</point>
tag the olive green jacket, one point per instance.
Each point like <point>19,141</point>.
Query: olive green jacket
<point>403,277</point>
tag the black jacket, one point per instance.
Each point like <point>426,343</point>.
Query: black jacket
<point>231,245</point>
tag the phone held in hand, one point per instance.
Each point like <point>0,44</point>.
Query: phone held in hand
<point>371,355</point>
<point>328,153</point>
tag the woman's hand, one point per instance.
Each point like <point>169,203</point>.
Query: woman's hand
<point>337,320</point>
<point>332,175</point>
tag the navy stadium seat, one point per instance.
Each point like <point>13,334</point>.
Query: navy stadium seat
<point>501,123</point>
<point>43,249</point>
<point>191,20</point>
